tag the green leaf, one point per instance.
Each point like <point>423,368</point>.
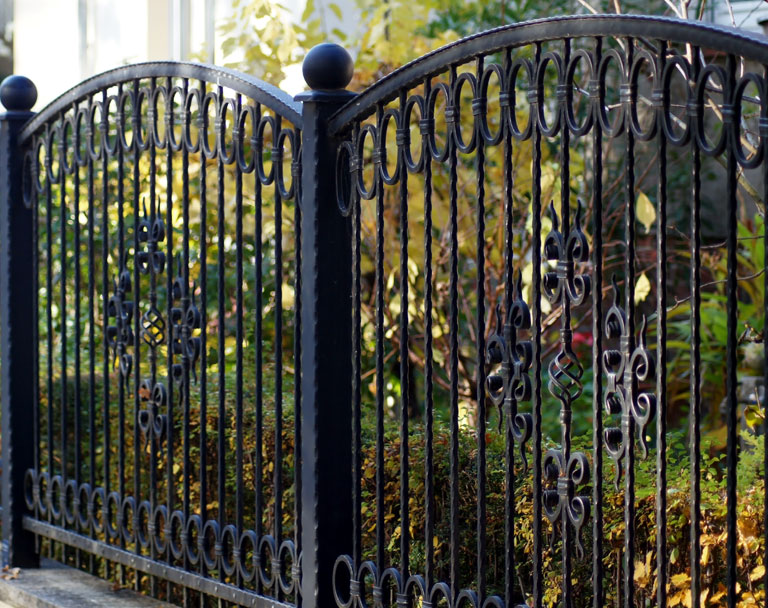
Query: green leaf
<point>644,210</point>
<point>336,10</point>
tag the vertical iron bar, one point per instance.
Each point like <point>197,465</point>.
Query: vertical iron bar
<point>169,275</point>
<point>258,288</point>
<point>203,256</point>
<point>136,186</point>
<point>453,332</point>
<point>239,329</point>
<point>429,474</point>
<point>379,185</point>
<point>278,470</point>
<point>661,345</point>
<point>509,437</point>
<point>49,326</point>
<point>77,400</point>
<point>357,460</point>
<point>480,348</point>
<point>565,333</point>
<point>629,273</point>
<point>297,395</point>
<point>764,116</point>
<point>106,427</point>
<point>405,525</point>
<point>120,268</point>
<point>63,304</point>
<point>221,423</point>
<point>597,333</point>
<point>732,457</point>
<point>538,575</point>
<point>695,421</point>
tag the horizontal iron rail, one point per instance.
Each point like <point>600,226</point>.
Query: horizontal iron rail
<point>726,39</point>
<point>170,573</point>
<point>258,90</point>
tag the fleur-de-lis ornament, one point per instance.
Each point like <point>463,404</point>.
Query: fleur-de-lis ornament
<point>625,371</point>
<point>511,383</point>
<point>151,422</point>
<point>563,501</point>
<point>185,319</point>
<point>120,334</point>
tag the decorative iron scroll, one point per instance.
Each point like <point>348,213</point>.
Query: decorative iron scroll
<point>625,369</point>
<point>120,335</point>
<point>512,384</point>
<point>565,287</point>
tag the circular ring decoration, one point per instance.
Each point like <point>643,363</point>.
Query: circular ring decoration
<point>579,57</point>
<point>142,136</point>
<point>676,65</point>
<point>176,143</point>
<point>205,125</point>
<point>610,129</point>
<point>549,130</point>
<point>247,115</point>
<point>55,496</point>
<point>143,517</point>
<point>490,139</point>
<point>644,57</point>
<point>66,145</point>
<point>438,155</point>
<point>265,178</point>
<point>128,516</point>
<point>288,135</point>
<point>344,187</point>
<point>414,101</point>
<point>158,528</point>
<point>126,97</point>
<point>229,544</point>
<point>84,506</point>
<point>113,509</point>
<point>208,542</point>
<point>743,158</point>
<point>227,108</point>
<point>710,72</point>
<point>267,555</point>
<point>111,108</point>
<point>196,96</point>
<point>388,116</point>
<point>69,502</point>
<point>249,543</point>
<point>154,115</point>
<point>194,548</point>
<point>524,65</point>
<point>365,131</point>
<point>453,113</point>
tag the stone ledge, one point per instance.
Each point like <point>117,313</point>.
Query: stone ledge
<point>55,585</point>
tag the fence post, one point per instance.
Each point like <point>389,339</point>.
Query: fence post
<point>326,329</point>
<point>17,316</point>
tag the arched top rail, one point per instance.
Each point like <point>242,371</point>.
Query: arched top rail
<point>725,39</point>
<point>253,88</point>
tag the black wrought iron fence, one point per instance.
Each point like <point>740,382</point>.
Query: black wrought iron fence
<point>243,380</point>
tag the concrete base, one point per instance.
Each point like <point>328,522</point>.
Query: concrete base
<point>54,585</point>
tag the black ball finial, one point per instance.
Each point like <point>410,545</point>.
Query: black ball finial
<point>327,67</point>
<point>18,93</point>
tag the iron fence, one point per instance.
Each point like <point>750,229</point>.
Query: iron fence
<point>228,375</point>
